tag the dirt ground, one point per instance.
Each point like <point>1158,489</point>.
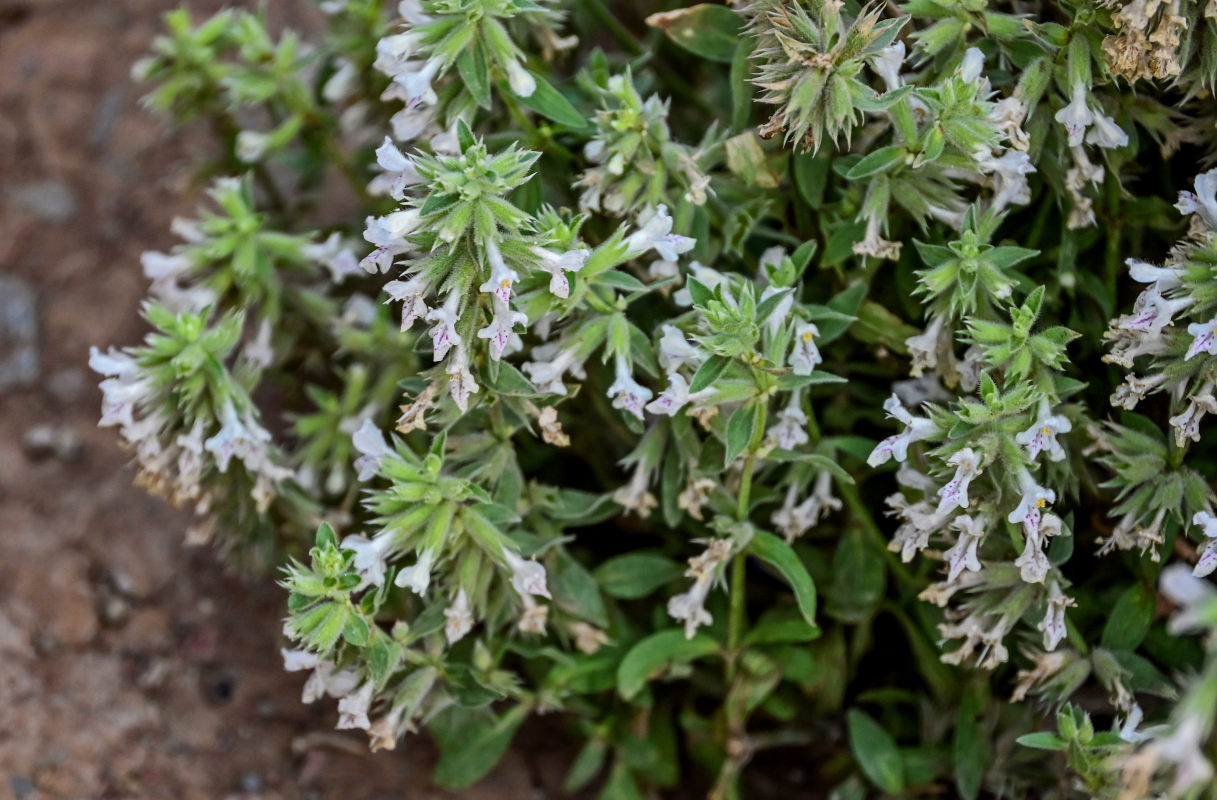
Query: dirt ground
<point>130,666</point>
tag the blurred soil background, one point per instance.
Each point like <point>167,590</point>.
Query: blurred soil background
<point>131,666</point>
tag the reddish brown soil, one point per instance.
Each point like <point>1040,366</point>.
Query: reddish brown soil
<point>130,666</point>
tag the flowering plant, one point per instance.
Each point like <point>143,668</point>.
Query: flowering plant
<point>734,380</point>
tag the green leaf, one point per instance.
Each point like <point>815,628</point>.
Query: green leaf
<point>575,590</point>
<point>511,381</point>
<point>740,430</point>
<point>882,159</point>
<point>326,536</point>
<point>1044,740</point>
<point>781,556</point>
<point>1129,620</point>
<point>475,74</point>
<point>859,578</point>
<point>710,31</point>
<point>876,752</point>
<point>650,658</point>
<point>467,760</point>
<point>971,749</point>
<point>635,575</point>
<point>708,373</point>
<point>548,102</point>
<point>811,174</point>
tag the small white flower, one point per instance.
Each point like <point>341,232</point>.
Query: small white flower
<point>391,230</point>
<point>1187,422</point>
<point>370,556</point>
<point>675,351</point>
<point>924,347</point>
<point>1106,133</point>
<point>501,276</point>
<point>790,430</point>
<point>533,618</point>
<point>353,709</point>
<point>795,520</point>
<point>370,443</point>
<point>326,679</point>
<point>1204,339</point>
<point>635,495</point>
<point>393,53</point>
<point>887,65</point>
<point>417,577</point>
<point>251,146</point>
<point>410,293</point>
<point>550,365</point>
<point>954,494</point>
<point>1076,116</point>
<point>234,439</point>
<point>690,608</point>
<point>916,429</point>
<point>672,399</point>
<point>1009,177</point>
<point>1053,623</point>
<point>558,264</point>
<point>1208,557</point>
<point>655,233</point>
<point>804,356</point>
<point>972,65</point>
<point>501,327</point>
<point>527,575</point>
<point>963,554</point>
<point>461,383</point>
<point>444,334</point>
<point>522,83</point>
<point>1030,508</point>
<point>417,84</point>
<point>334,255</point>
<point>340,85</point>
<point>626,393</point>
<point>458,618</point>
<point>1041,437</point>
<point>1203,201</point>
<point>1163,278</point>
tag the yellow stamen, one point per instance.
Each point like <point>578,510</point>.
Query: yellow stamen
<point>1040,503</point>
<point>807,336</point>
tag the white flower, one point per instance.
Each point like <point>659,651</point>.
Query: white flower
<point>391,230</point>
<point>522,83</point>
<point>1041,437</point>
<point>1194,596</point>
<point>672,399</point>
<point>533,618</point>
<point>418,577</point>
<point>1076,116</point>
<point>954,494</point>
<point>790,431</point>
<point>353,709</point>
<point>804,356</point>
<point>635,496</point>
<point>887,65</point>
<point>558,264</point>
<point>410,293</point>
<point>588,639</point>
<point>527,575</point>
<point>417,84</point>
<point>924,346</point>
<point>1163,278</point>
<point>1009,177</point>
<point>340,84</point>
<point>444,334</point>
<point>1106,133</point>
<point>461,383</point>
<point>550,365</point>
<point>501,327</point>
<point>370,443</point>
<point>370,556</point>
<point>963,554</point>
<point>626,393</point>
<point>334,255</point>
<point>393,53</point>
<point>410,123</point>
<point>655,233</point>
<point>399,172</point>
<point>160,267</point>
<point>1203,201</point>
<point>458,618</point>
<point>1030,508</point>
<point>234,438</point>
<point>251,146</point>
<point>690,607</point>
<point>1053,623</point>
<point>326,679</point>
<point>501,275</point>
<point>972,65</point>
<point>1187,422</point>
<point>795,520</point>
<point>675,351</point>
<point>916,429</point>
<point>1208,557</point>
<point>1204,340</point>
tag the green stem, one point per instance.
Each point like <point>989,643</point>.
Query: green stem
<point>736,619</point>
<point>613,25</point>
<point>542,142</point>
